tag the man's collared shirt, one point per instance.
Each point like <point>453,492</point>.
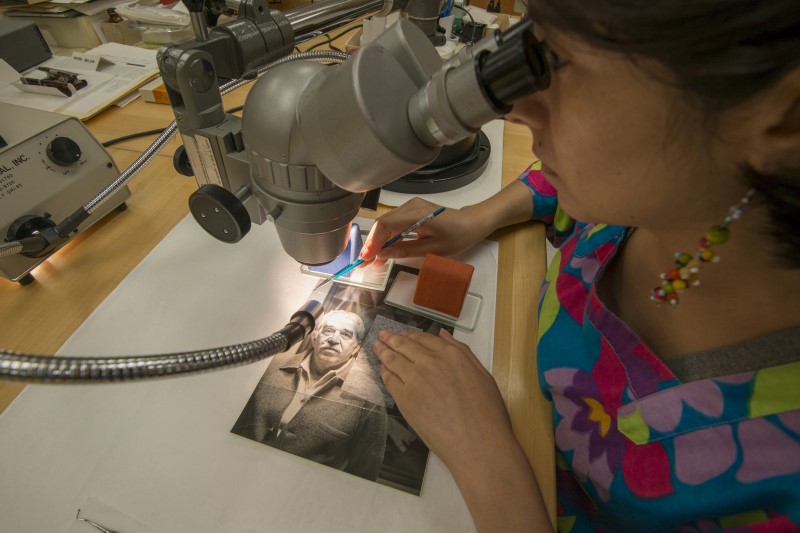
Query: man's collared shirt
<point>306,390</point>
<point>343,429</point>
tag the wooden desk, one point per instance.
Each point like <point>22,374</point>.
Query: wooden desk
<point>40,317</point>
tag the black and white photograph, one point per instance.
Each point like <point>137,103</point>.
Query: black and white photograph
<point>324,400</point>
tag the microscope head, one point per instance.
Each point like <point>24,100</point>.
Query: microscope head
<point>317,138</point>
<point>311,213</point>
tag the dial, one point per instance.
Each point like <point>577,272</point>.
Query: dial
<point>63,151</point>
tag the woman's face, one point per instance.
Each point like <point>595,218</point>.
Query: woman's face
<point>622,147</point>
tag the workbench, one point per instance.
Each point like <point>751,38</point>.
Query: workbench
<point>72,283</point>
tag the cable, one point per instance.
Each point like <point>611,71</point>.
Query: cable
<point>124,138</point>
<point>330,39</point>
<point>72,369</point>
<point>466,12</point>
<point>157,131</point>
<point>460,33</point>
<point>11,248</point>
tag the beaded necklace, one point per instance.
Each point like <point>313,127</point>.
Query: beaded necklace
<point>686,272</point>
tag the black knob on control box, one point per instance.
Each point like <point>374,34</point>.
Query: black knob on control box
<point>63,151</point>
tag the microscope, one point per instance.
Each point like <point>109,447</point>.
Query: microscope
<point>314,143</point>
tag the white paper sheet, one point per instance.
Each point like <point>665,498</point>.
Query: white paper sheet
<point>124,69</point>
<point>161,452</point>
<point>94,510</point>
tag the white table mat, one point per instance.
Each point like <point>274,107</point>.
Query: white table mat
<point>160,452</point>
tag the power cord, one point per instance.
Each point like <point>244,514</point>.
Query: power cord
<point>147,133</point>
<point>330,38</point>
<point>460,34</point>
<point>132,136</point>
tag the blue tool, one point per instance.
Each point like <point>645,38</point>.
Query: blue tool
<point>390,242</point>
<point>448,6</point>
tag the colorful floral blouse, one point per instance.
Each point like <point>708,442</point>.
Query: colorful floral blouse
<point>637,450</point>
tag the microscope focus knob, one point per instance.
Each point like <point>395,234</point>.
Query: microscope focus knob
<point>220,213</point>
<point>63,151</point>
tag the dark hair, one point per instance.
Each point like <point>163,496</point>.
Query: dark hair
<point>717,52</point>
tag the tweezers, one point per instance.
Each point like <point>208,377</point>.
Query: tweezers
<point>95,524</point>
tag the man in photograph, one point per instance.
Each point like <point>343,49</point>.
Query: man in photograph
<point>310,404</point>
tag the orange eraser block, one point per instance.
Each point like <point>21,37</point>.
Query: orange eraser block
<point>442,284</point>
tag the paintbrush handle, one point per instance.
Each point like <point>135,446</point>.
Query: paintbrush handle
<point>412,227</point>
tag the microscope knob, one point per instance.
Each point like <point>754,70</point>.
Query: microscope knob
<point>181,162</point>
<point>220,213</point>
<point>63,151</point>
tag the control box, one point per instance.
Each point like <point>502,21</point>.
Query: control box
<point>50,166</point>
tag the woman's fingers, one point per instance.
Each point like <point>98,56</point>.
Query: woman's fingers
<point>434,345</point>
<point>399,355</point>
<point>371,247</point>
<point>391,380</point>
<point>392,224</point>
<point>414,345</point>
<point>410,248</point>
<point>397,363</point>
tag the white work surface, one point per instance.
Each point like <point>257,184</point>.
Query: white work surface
<point>158,456</point>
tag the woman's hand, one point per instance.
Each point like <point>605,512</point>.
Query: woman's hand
<point>444,392</point>
<point>451,232</point>
<point>448,233</point>
<point>454,405</point>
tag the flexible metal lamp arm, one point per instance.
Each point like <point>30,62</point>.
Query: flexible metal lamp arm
<point>56,369</point>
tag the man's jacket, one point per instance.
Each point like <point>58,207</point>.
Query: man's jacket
<point>337,427</point>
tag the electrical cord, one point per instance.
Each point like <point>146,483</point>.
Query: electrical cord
<point>157,131</point>
<point>132,136</point>
<point>330,38</point>
<point>460,34</point>
<point>466,12</point>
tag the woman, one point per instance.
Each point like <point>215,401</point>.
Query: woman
<point>671,131</point>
